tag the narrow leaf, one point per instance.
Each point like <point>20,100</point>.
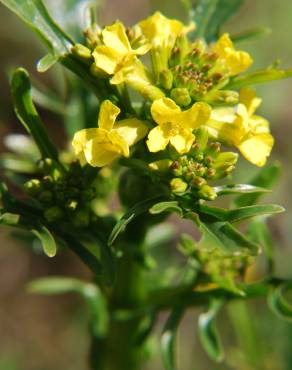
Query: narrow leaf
<point>210,16</point>
<point>9,219</point>
<point>46,239</point>
<point>167,342</point>
<point>208,333</point>
<point>90,292</point>
<point>35,14</point>
<point>46,62</point>
<point>251,35</point>
<point>166,207</point>
<point>278,303</point>
<point>27,114</point>
<point>258,77</point>
<point>239,189</point>
<point>134,212</point>
<point>266,178</point>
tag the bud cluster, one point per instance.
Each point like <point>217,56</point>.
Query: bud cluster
<point>196,74</point>
<point>192,172</point>
<point>65,196</point>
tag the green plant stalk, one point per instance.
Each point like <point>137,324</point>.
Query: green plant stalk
<point>122,348</point>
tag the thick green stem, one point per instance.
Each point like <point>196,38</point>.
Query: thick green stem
<point>122,349</point>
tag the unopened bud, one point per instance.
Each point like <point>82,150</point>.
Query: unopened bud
<point>202,137</point>
<point>178,186</point>
<point>222,97</point>
<point>225,160</point>
<point>162,166</point>
<point>166,79</point>
<point>181,96</point>
<point>82,52</point>
<point>32,187</point>
<point>207,192</point>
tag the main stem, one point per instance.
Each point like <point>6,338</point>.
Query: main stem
<point>122,349</point>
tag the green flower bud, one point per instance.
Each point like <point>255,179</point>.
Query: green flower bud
<point>162,165</point>
<point>181,96</point>
<point>150,92</point>
<point>207,192</point>
<point>202,137</point>
<point>81,52</point>
<point>225,160</point>
<point>48,182</point>
<point>54,214</point>
<point>166,79</point>
<point>222,97</point>
<point>178,186</point>
<point>32,187</point>
<point>72,205</point>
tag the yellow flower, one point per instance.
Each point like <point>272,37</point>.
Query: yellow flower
<point>116,54</point>
<point>234,61</point>
<point>161,31</point>
<point>240,127</point>
<point>175,126</point>
<point>100,146</point>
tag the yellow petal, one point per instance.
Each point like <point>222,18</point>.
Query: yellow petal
<point>257,148</point>
<point>125,69</point>
<point>104,148</point>
<point>247,96</point>
<point>229,128</point>
<point>157,140</point>
<point>115,37</point>
<point>106,58</point>
<point>235,61</point>
<point>161,31</point>
<point>259,125</point>
<point>131,130</point>
<point>107,115</point>
<point>197,115</point>
<point>165,110</point>
<point>81,138</point>
<point>183,141</point>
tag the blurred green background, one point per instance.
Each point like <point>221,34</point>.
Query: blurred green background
<point>50,333</point>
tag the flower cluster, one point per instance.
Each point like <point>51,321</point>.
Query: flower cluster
<point>184,91</point>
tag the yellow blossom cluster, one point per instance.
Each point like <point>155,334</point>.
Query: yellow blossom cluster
<point>184,90</point>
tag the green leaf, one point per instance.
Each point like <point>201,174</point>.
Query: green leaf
<point>46,239</point>
<point>266,178</point>
<point>240,214</point>
<point>9,219</point>
<point>35,14</point>
<point>15,163</point>
<point>46,62</point>
<point>27,114</point>
<point>251,35</point>
<point>210,15</point>
<point>258,77</point>
<point>239,189</point>
<point>90,292</point>
<point>137,210</point>
<point>166,207</point>
<point>167,342</point>
<point>208,333</point>
<point>222,236</point>
<point>278,303</point>
<point>258,231</point>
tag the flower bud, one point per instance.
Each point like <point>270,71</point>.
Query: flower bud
<point>181,96</point>
<point>81,52</point>
<point>162,165</point>
<point>202,137</point>
<point>178,186</point>
<point>222,97</point>
<point>32,187</point>
<point>166,79</point>
<point>207,192</point>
